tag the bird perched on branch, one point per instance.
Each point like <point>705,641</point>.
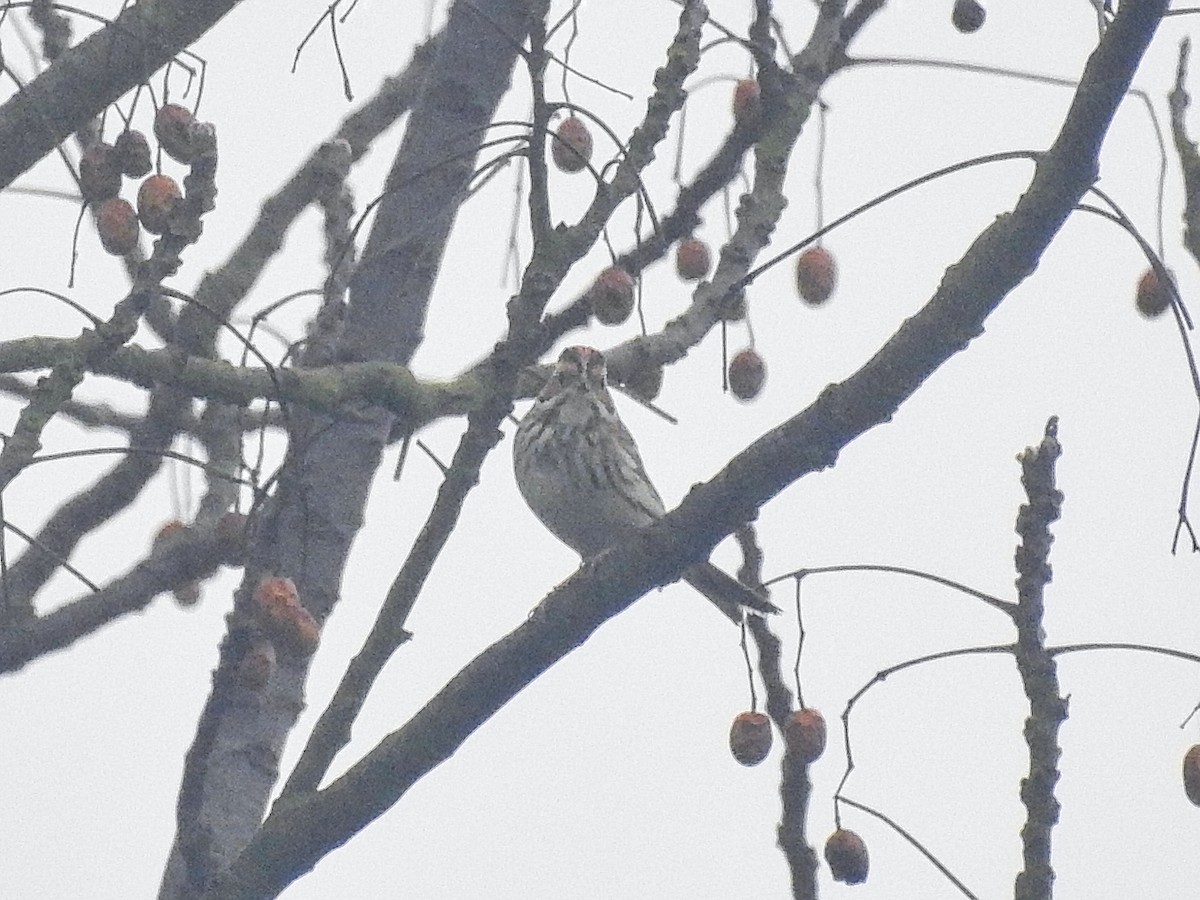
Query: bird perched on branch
<point>578,468</point>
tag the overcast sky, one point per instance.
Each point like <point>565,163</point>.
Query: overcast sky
<point>611,777</point>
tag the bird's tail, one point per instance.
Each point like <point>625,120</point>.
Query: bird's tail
<point>727,593</point>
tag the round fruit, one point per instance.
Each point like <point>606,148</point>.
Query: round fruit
<point>747,373</point>
<point>118,226</point>
<point>1191,774</point>
<point>133,153</point>
<point>804,733</point>
<point>692,259</point>
<point>646,383</point>
<point>173,128</point>
<point>99,175</point>
<point>847,857</point>
<point>612,296</point>
<point>750,738</point>
<point>747,100</point>
<point>816,275</point>
<point>1153,297</point>
<point>967,16</point>
<point>573,146</point>
<point>157,199</point>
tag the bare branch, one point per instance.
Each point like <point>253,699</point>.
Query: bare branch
<point>1036,665</point>
<point>294,837</point>
<point>89,76</point>
<point>192,555</point>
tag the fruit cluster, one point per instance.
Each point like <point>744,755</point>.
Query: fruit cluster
<point>102,166</point>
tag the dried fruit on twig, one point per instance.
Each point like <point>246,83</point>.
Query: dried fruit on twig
<point>132,153</point>
<point>968,16</point>
<point>572,148</point>
<point>158,197</point>
<point>1191,774</point>
<point>747,374</point>
<point>612,296</point>
<point>173,128</point>
<point>286,622</point>
<point>847,857</point>
<point>747,100</point>
<point>275,596</point>
<point>816,275</point>
<point>805,735</point>
<point>117,224</point>
<point>1153,297</point>
<point>692,259</point>
<point>750,738</point>
<point>99,175</point>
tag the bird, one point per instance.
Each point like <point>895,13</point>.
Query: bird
<point>578,469</point>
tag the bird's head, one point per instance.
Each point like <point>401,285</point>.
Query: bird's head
<point>579,368</point>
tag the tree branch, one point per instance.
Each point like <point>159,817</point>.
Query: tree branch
<point>1036,664</point>
<point>96,72</point>
<point>295,837</point>
<point>304,532</point>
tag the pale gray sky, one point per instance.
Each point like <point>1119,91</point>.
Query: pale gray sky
<point>610,777</point>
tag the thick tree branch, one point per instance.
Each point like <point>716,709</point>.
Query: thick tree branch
<point>305,531</point>
<point>194,555</point>
<point>94,73</point>
<point>1036,664</point>
<point>332,730</point>
<point>1189,158</point>
<point>94,345</point>
<point>295,836</point>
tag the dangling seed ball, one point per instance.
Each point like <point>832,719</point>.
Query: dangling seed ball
<point>173,128</point>
<point>573,148</point>
<point>157,198</point>
<point>133,153</point>
<point>816,275</point>
<point>750,738</point>
<point>968,16</point>
<point>1191,774</point>
<point>1153,297</point>
<point>99,175</point>
<point>747,374</point>
<point>692,259</point>
<point>804,733</point>
<point>847,857</point>
<point>118,226</point>
<point>611,296</point>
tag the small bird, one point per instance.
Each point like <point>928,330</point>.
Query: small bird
<point>578,468</point>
